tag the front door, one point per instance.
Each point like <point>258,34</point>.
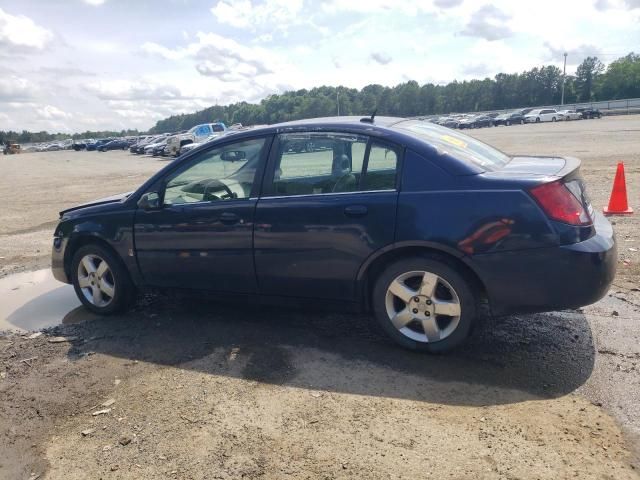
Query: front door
<point>202,236</point>
<point>329,202</point>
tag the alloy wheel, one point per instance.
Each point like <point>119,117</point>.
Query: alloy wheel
<point>423,306</point>
<point>96,280</point>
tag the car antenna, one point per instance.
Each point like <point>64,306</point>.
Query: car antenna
<point>369,119</point>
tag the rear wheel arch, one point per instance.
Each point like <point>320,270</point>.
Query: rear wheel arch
<point>375,266</point>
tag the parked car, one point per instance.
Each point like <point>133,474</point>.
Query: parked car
<point>138,147</point>
<point>507,119</point>
<point>11,148</point>
<point>97,144</point>
<point>570,115</point>
<point>542,115</point>
<point>478,121</point>
<point>413,222</point>
<point>524,111</point>
<point>159,150</point>
<point>589,113</point>
<point>196,134</point>
<point>117,144</point>
<point>148,149</point>
<point>448,122</point>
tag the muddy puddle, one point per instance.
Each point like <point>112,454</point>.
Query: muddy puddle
<point>36,300</point>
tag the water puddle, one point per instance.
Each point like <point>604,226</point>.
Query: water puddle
<point>35,300</point>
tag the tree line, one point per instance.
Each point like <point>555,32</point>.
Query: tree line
<point>43,136</point>
<point>538,86</point>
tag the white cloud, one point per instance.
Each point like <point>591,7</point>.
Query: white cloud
<point>381,58</point>
<point>133,90</point>
<point>220,57</point>
<point>49,112</point>
<point>94,3</point>
<point>248,14</point>
<point>20,34</point>
<point>15,89</point>
<point>488,22</point>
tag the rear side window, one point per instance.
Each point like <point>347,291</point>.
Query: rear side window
<point>457,145</point>
<point>315,163</point>
<point>381,168</point>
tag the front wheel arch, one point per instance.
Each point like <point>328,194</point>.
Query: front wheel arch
<point>75,243</point>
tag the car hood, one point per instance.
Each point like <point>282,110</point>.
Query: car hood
<point>102,201</point>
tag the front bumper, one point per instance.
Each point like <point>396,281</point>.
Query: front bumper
<point>57,259</point>
<point>555,278</point>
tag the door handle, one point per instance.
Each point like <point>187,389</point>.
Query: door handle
<point>229,218</point>
<point>356,211</point>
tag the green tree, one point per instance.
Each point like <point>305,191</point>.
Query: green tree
<point>586,77</point>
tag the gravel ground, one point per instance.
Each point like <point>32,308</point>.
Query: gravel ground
<point>201,390</point>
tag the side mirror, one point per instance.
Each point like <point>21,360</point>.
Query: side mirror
<point>149,201</point>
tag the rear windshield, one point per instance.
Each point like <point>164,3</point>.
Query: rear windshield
<point>450,142</point>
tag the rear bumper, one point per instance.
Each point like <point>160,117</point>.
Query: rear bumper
<point>546,279</point>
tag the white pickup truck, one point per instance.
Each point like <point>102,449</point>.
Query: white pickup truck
<point>194,135</point>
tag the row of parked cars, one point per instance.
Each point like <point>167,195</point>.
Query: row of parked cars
<point>175,144</point>
<point>516,117</point>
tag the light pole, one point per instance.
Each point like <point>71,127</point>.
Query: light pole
<point>564,76</point>
<point>338,100</point>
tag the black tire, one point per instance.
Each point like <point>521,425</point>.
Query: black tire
<point>462,286</point>
<point>553,119</point>
<point>521,122</point>
<point>124,290</point>
<point>508,123</point>
<point>537,119</point>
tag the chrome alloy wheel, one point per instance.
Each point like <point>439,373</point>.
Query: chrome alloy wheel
<point>423,306</point>
<point>96,281</point>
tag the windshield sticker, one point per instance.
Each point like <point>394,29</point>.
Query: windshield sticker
<point>454,141</point>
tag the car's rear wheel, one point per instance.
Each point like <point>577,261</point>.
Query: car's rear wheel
<point>424,304</point>
<point>553,119</point>
<point>101,281</point>
<point>508,123</point>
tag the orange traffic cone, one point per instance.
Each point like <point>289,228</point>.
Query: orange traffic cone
<point>618,200</point>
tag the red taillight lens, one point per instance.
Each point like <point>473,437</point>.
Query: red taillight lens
<point>560,204</point>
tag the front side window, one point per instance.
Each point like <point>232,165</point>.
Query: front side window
<point>224,173</point>
<point>314,163</point>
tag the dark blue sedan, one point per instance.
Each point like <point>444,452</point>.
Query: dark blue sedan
<point>117,144</point>
<point>416,223</point>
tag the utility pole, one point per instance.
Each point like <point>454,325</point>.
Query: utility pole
<point>338,100</point>
<point>564,76</point>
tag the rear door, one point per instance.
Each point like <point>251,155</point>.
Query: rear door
<point>329,201</point>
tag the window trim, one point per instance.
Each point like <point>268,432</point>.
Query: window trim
<point>194,159</point>
<point>268,190</point>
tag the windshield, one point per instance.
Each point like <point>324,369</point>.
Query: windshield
<point>216,127</point>
<point>450,142</point>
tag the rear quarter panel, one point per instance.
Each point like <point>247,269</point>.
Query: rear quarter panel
<point>468,214</point>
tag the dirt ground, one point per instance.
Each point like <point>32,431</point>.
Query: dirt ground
<point>179,388</point>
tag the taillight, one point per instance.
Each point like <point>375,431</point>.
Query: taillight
<point>560,204</point>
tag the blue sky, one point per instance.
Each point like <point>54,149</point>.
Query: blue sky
<point>72,65</point>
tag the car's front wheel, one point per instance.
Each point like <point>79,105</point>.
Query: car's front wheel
<point>101,281</point>
<point>424,304</point>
